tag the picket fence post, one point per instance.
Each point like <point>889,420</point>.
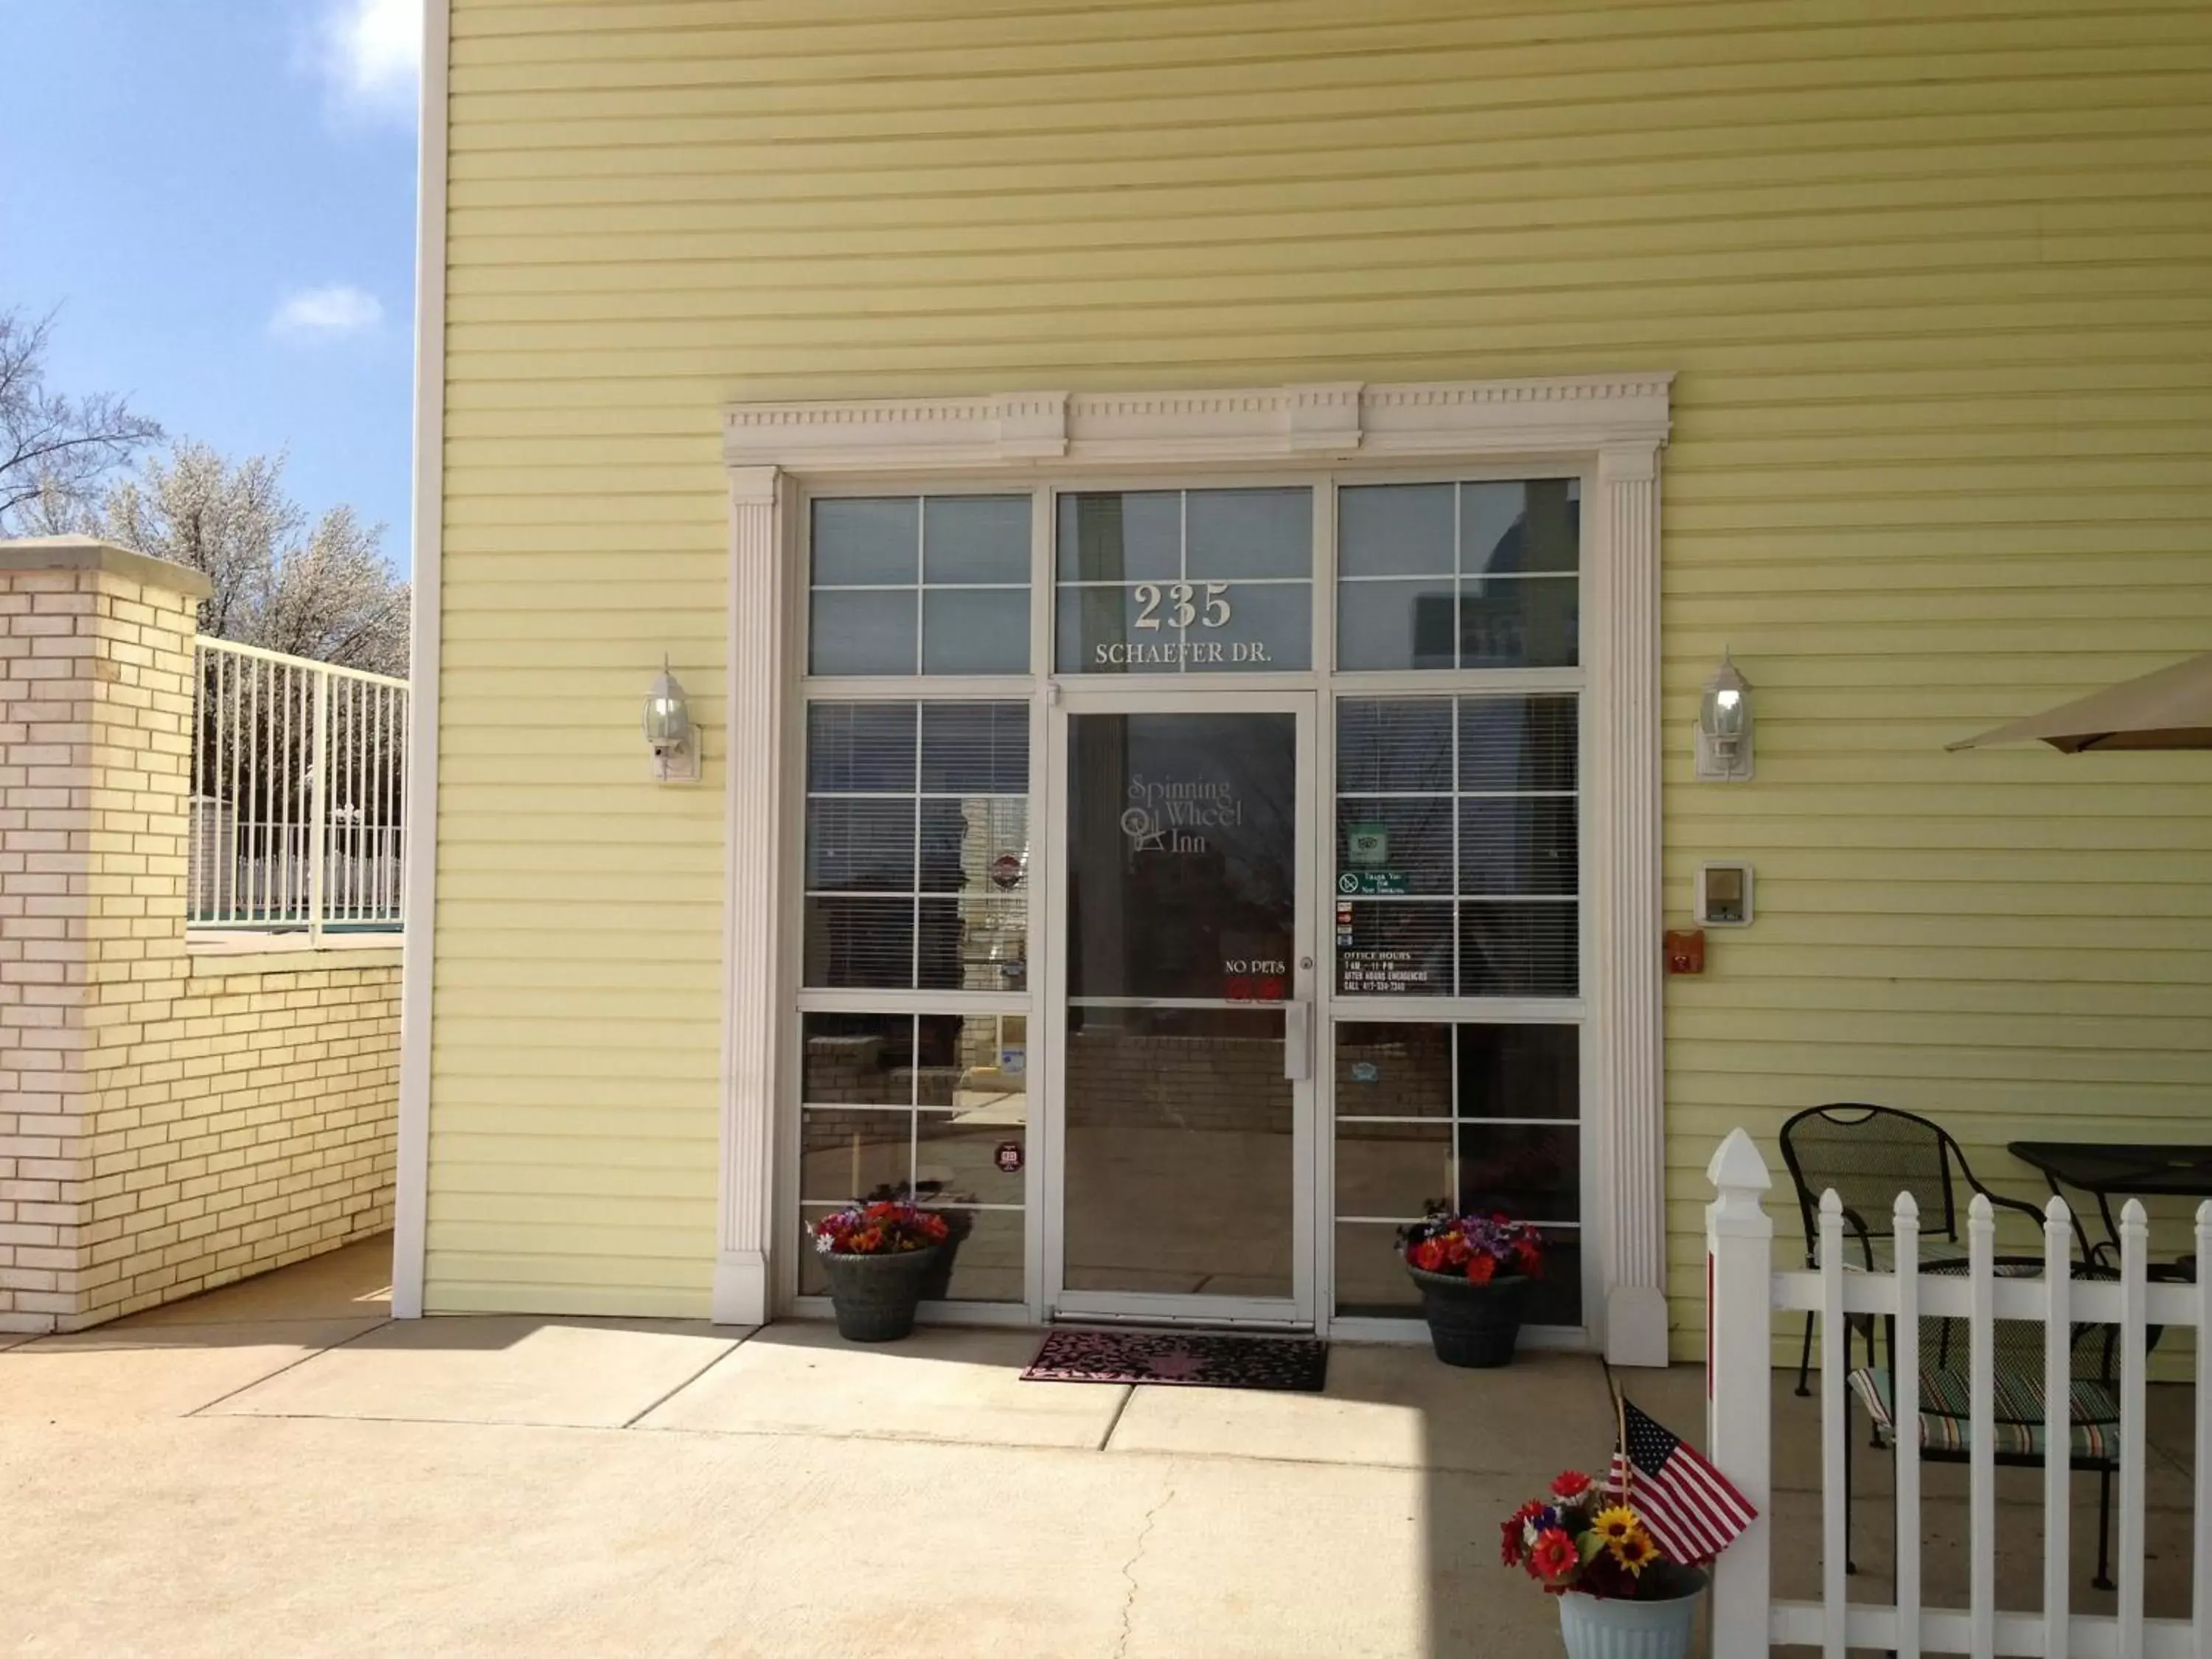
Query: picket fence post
<point>1739,1389</point>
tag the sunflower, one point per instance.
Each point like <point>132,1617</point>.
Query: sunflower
<point>1635,1551</point>
<point>1616,1524</point>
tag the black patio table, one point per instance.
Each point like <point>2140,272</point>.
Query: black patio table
<point>2130,1168</point>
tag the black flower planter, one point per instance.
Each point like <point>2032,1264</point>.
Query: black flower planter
<point>937,1285</point>
<point>875,1295</point>
<point>1471,1324</point>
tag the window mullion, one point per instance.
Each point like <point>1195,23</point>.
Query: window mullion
<point>1458,579</point>
<point>1458,928</point>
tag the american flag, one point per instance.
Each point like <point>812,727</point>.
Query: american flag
<point>1688,1507</point>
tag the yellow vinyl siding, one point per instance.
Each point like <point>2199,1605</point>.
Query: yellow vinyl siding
<point>1936,275</point>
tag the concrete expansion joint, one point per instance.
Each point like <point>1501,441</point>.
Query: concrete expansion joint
<point>1129,1571</point>
<point>311,1350</point>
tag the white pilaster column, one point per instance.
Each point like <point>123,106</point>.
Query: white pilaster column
<point>1626,1003</point>
<point>752,955</point>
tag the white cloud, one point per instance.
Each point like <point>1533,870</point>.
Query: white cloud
<point>329,312</point>
<point>370,54</point>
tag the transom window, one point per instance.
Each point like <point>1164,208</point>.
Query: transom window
<point>1174,581</point>
<point>920,585</point>
<point>1466,575</point>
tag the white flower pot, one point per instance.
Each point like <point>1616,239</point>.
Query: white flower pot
<point>1594,1627</point>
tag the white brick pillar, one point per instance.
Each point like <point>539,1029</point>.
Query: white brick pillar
<point>95,723</point>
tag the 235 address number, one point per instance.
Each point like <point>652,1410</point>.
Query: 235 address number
<point>1186,603</point>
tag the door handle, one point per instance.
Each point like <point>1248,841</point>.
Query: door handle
<point>1297,1040</point>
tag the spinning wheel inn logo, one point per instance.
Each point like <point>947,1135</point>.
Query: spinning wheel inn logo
<point>1163,814</point>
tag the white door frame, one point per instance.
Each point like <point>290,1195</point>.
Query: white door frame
<point>1615,424</point>
<point>1301,1014</point>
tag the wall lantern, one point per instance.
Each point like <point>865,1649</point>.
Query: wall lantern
<point>1724,728</point>
<point>669,730</point>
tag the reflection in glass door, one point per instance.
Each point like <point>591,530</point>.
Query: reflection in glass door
<point>1186,1042</point>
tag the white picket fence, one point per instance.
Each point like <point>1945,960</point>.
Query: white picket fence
<point>1745,1292</point>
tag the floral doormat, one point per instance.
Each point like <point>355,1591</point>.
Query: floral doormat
<point>1195,1359</point>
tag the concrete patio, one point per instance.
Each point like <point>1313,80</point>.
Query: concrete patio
<point>278,1467</point>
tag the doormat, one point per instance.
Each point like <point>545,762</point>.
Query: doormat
<point>1195,1359</point>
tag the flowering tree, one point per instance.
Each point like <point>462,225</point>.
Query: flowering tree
<point>322,590</point>
<point>55,451</point>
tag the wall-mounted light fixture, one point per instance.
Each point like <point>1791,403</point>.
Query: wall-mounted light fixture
<point>1724,728</point>
<point>669,730</point>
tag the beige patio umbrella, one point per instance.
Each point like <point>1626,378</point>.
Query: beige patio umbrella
<point>2169,709</point>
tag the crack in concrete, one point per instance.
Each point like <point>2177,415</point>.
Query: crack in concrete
<point>1129,1571</point>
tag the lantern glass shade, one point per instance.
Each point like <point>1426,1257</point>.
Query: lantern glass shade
<point>1727,707</point>
<point>667,717</point>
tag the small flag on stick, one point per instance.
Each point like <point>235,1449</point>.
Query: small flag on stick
<point>1688,1507</point>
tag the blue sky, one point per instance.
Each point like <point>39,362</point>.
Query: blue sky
<point>219,195</point>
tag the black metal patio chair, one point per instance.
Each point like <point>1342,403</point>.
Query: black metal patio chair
<point>2019,1414</point>
<point>1868,1154</point>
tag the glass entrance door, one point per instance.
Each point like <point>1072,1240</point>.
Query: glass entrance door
<point>1184,1105</point>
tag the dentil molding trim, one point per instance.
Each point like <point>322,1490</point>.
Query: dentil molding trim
<point>1062,429</point>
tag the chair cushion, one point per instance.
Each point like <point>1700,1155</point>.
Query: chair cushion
<point>1937,1253</point>
<point>2018,1403</point>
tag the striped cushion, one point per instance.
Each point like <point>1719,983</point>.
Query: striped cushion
<point>2017,1403</point>
<point>1934,1250</point>
<point>1938,1254</point>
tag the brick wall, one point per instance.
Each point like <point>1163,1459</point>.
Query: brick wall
<point>168,1122</point>
<point>95,720</point>
<point>250,1123</point>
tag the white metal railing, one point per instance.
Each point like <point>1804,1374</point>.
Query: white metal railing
<point>299,793</point>
<point>1744,1293</point>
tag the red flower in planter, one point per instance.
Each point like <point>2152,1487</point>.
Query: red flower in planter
<point>883,1229</point>
<point>1569,1484</point>
<point>1509,1538</point>
<point>1555,1555</point>
<point>1481,1247</point>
